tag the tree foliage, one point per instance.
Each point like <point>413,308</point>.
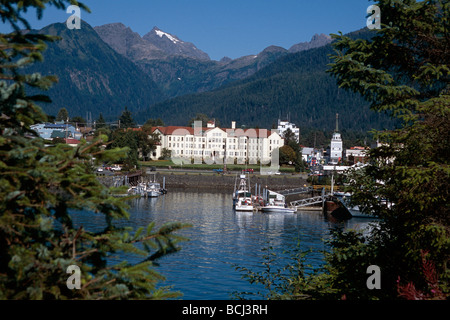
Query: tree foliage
<point>403,70</point>
<point>63,115</point>
<point>139,143</point>
<point>126,119</point>
<point>41,188</point>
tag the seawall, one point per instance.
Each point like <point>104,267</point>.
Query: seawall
<point>225,183</point>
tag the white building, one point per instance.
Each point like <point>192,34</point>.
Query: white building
<point>336,147</point>
<point>284,125</point>
<point>215,145</point>
<point>356,154</point>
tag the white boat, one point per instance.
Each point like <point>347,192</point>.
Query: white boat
<point>275,203</point>
<point>153,189</point>
<point>277,207</point>
<point>150,189</point>
<point>140,189</point>
<point>242,197</point>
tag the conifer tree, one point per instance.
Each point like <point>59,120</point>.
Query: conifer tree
<point>41,188</point>
<point>126,119</point>
<point>404,70</point>
<point>100,123</point>
<point>62,115</point>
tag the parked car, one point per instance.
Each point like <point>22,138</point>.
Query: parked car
<point>248,170</point>
<point>218,170</point>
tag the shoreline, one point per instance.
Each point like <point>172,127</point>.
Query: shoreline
<point>212,181</point>
<point>226,182</point>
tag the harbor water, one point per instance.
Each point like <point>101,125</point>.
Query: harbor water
<point>221,239</point>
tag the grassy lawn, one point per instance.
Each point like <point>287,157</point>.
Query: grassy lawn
<point>233,167</point>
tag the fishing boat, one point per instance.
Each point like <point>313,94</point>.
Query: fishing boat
<point>140,189</point>
<point>242,197</point>
<point>151,189</point>
<point>275,203</point>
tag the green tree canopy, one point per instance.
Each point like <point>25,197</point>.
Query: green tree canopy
<point>126,119</point>
<point>63,115</point>
<point>154,123</point>
<point>287,155</point>
<point>42,187</point>
<point>404,69</point>
<point>100,122</point>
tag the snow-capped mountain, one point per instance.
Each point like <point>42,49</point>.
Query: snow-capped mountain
<point>172,45</point>
<point>156,44</point>
<point>128,43</point>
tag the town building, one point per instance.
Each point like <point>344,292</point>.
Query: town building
<point>336,147</point>
<point>356,154</point>
<point>313,156</point>
<point>212,144</point>
<point>284,125</point>
<point>50,131</point>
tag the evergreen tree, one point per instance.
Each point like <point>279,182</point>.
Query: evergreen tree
<point>100,123</point>
<point>62,115</point>
<point>79,121</point>
<point>154,123</point>
<point>40,187</point>
<point>404,70</point>
<point>126,119</point>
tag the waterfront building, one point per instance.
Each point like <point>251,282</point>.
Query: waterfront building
<point>284,125</point>
<point>212,144</point>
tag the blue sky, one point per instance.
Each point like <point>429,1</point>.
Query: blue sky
<point>232,28</point>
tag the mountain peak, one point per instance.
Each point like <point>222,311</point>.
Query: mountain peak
<point>127,42</point>
<point>320,37</point>
<point>160,33</point>
<point>173,45</point>
<point>317,40</point>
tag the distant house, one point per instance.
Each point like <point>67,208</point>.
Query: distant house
<point>72,142</point>
<point>58,130</point>
<point>312,156</point>
<point>356,154</point>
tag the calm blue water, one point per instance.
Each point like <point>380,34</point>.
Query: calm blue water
<point>220,239</point>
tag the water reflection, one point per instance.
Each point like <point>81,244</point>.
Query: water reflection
<point>221,238</point>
